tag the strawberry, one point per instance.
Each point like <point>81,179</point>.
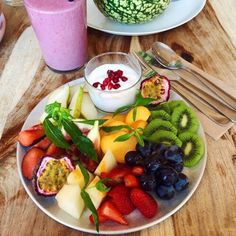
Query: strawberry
<point>120,198</point>
<point>109,211</point>
<point>131,181</point>
<point>30,161</point>
<point>144,202</point>
<point>101,218</point>
<point>53,150</point>
<point>29,136</point>
<point>43,144</point>
<point>137,170</point>
<point>118,173</point>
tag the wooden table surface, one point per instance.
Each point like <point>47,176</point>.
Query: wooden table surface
<point>209,40</point>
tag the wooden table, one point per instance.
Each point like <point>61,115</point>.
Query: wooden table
<point>209,41</point>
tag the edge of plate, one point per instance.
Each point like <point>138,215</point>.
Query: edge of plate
<point>122,33</point>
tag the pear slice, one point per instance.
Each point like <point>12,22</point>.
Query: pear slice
<point>107,163</point>
<point>76,102</point>
<point>76,177</point>
<point>69,200</point>
<point>94,136</point>
<point>95,195</point>
<point>60,95</point>
<point>85,128</point>
<point>88,110</point>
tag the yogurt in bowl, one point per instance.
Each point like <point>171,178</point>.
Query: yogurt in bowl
<point>112,80</point>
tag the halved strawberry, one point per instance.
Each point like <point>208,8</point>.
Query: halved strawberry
<point>144,202</point>
<point>29,136</point>
<point>53,150</point>
<point>131,181</point>
<point>120,198</point>
<point>43,144</point>
<point>30,161</point>
<point>101,218</point>
<point>137,170</point>
<point>109,211</point>
<point>117,174</point>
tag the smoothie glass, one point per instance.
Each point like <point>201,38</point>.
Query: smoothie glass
<point>61,29</point>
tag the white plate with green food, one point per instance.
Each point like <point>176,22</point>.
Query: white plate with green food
<point>136,221</point>
<point>176,14</point>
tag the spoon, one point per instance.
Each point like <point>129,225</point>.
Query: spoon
<point>171,60</point>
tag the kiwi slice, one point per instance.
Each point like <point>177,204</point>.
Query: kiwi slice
<point>184,119</point>
<point>176,103</point>
<point>160,114</point>
<point>163,106</point>
<point>193,148</point>
<point>165,137</point>
<point>158,124</point>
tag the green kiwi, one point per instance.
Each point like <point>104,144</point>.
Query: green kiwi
<point>184,119</point>
<point>193,148</point>
<point>165,137</point>
<point>163,106</point>
<point>160,114</point>
<point>158,124</point>
<point>176,103</point>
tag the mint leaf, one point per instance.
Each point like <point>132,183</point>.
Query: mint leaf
<point>84,144</point>
<point>115,128</point>
<point>54,134</point>
<point>122,109</point>
<point>139,138</point>
<point>85,174</point>
<point>89,204</point>
<point>100,185</point>
<point>134,113</point>
<point>141,101</point>
<point>124,137</point>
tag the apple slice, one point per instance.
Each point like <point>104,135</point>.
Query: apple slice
<point>69,200</point>
<point>94,136</point>
<point>107,163</point>
<point>76,177</point>
<point>61,95</point>
<point>95,195</point>
<point>88,110</point>
<point>76,101</point>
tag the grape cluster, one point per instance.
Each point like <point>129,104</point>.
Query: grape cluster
<point>163,168</point>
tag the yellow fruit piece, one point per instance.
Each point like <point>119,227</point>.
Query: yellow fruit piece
<point>142,113</point>
<point>119,149</point>
<point>139,124</point>
<point>112,123</point>
<point>119,117</point>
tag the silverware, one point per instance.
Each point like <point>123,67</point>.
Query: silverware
<point>201,105</point>
<point>170,60</point>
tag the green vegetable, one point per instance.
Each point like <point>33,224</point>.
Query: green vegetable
<point>132,11</point>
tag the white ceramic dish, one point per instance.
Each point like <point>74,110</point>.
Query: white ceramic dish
<point>136,222</point>
<point>177,13</point>
<point>2,25</point>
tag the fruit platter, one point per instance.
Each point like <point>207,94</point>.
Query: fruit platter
<point>116,172</point>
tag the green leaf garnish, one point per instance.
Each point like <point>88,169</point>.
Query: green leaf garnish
<point>85,174</point>
<point>139,138</point>
<point>89,204</point>
<point>100,185</point>
<point>122,109</point>
<point>124,137</point>
<point>115,128</point>
<point>134,113</point>
<point>91,122</point>
<point>54,134</point>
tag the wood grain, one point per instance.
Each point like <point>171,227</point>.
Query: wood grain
<point>208,41</point>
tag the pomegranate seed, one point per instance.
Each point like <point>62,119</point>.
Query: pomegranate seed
<point>105,83</point>
<point>103,87</point>
<point>110,86</point>
<point>123,78</point>
<point>95,85</point>
<point>110,73</point>
<point>119,73</point>
<point>116,86</point>
<point>116,80</point>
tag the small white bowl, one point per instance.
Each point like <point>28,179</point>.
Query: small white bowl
<point>2,25</point>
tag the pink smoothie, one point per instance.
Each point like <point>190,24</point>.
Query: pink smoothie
<point>61,29</point>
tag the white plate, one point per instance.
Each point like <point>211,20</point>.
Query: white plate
<point>177,13</point>
<point>136,222</point>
